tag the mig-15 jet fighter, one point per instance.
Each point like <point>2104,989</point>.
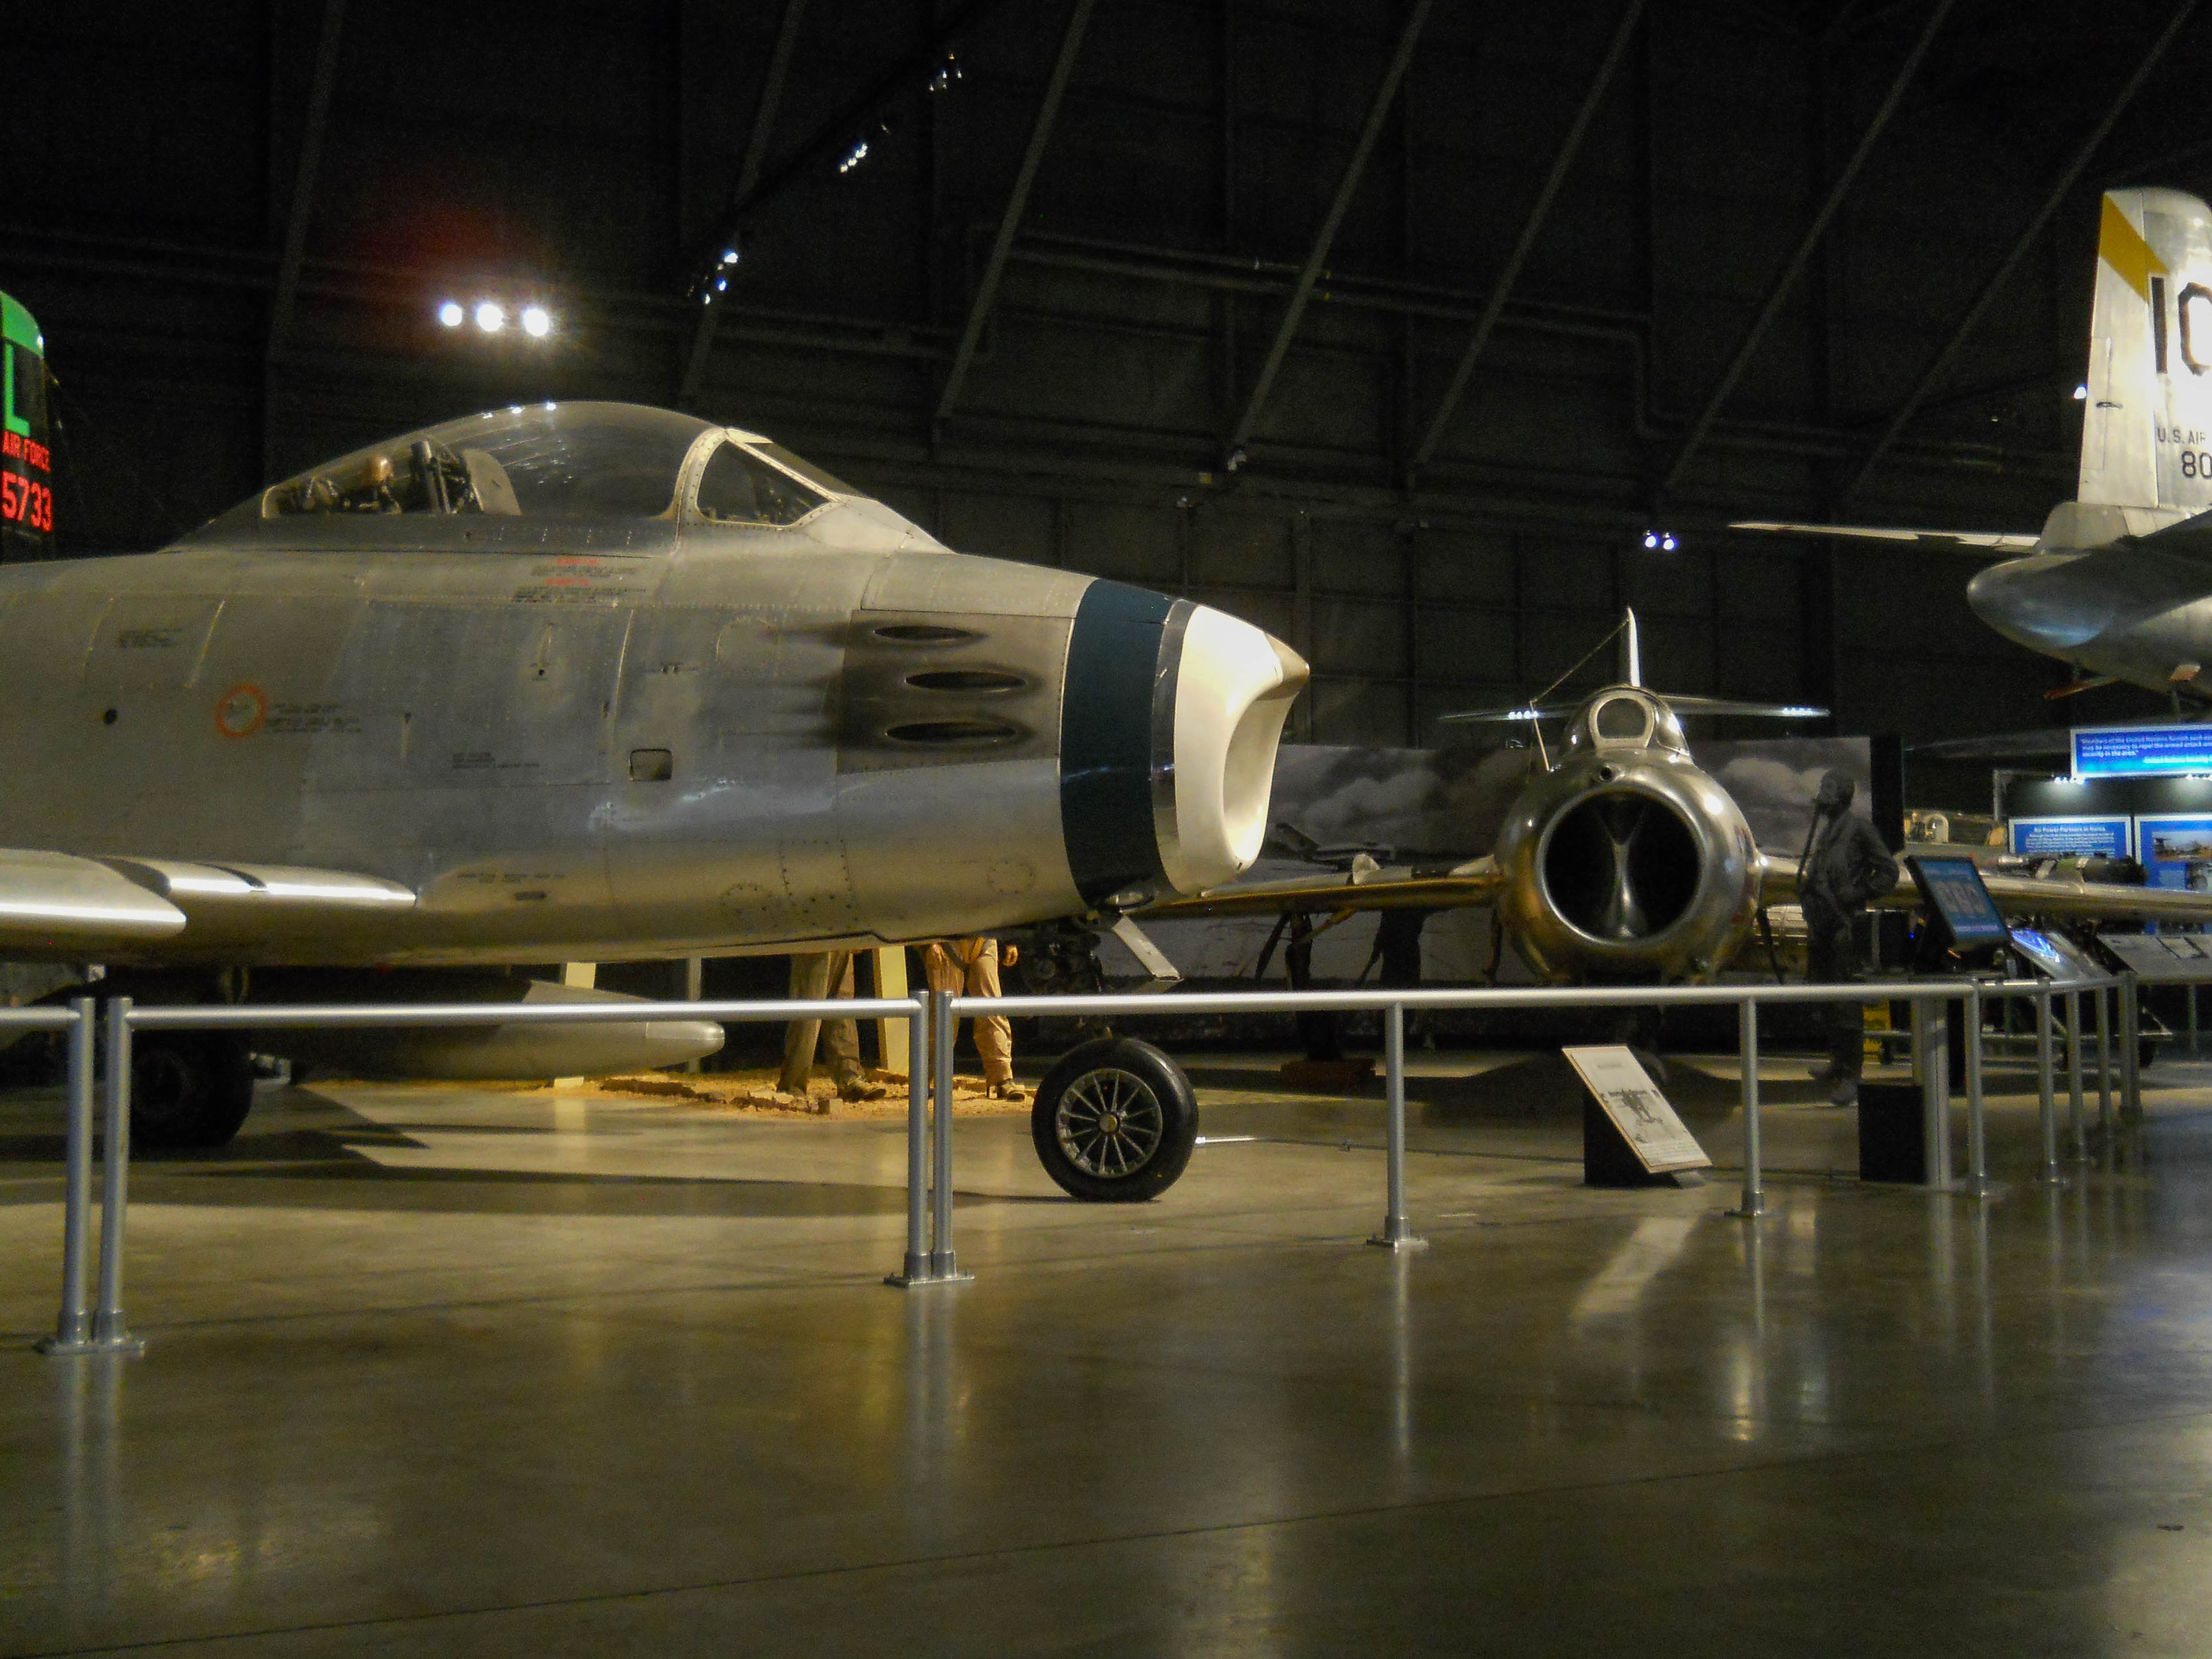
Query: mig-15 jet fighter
<point>1622,861</point>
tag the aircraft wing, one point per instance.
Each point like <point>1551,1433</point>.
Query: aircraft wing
<point>2060,896</point>
<point>1475,883</point>
<point>53,903</point>
<point>59,906</point>
<point>1976,543</point>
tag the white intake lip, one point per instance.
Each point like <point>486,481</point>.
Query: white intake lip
<point>1234,687</point>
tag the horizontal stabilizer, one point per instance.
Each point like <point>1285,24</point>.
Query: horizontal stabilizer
<point>1977,544</point>
<point>1544,711</point>
<point>1741,710</point>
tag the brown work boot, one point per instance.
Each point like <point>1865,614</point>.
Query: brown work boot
<point>859,1088</point>
<point>1007,1089</point>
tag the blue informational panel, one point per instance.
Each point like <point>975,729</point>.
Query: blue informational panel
<point>2177,849</point>
<point>2056,837</point>
<point>2141,751</point>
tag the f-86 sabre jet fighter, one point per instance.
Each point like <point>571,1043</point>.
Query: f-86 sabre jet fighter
<point>2118,582</point>
<point>586,682</point>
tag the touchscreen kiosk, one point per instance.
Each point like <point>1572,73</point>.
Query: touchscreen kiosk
<point>1961,920</point>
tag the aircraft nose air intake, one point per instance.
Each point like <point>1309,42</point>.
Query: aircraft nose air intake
<point>2041,603</point>
<point>1168,724</point>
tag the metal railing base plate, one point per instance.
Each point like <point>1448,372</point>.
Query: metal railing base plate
<point>54,1347</point>
<point>922,1281</point>
<point>1404,1242</point>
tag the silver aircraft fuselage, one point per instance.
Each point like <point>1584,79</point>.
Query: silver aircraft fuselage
<point>507,739</point>
<point>2138,611</point>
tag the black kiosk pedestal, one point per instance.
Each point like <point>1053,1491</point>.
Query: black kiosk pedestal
<point>1893,1132</point>
<point>1961,929</point>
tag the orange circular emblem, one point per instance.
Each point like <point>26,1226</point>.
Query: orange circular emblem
<point>240,713</point>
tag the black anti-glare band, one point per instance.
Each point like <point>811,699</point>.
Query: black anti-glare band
<point>1121,671</point>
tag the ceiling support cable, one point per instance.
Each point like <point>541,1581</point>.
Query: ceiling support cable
<point>1780,291</point>
<point>1933,374</point>
<point>763,125</point>
<point>1018,201</point>
<point>1317,255</point>
<point>1501,290</point>
<point>320,90</point>
<point>837,133</point>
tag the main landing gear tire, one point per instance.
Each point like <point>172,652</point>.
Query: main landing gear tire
<point>189,1089</point>
<point>1115,1121</point>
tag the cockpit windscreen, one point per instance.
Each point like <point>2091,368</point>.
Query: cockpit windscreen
<point>565,461</point>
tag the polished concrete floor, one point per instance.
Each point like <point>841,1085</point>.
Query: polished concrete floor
<point>437,1371</point>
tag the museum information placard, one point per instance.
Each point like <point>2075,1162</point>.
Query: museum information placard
<point>2141,752</point>
<point>1637,1109</point>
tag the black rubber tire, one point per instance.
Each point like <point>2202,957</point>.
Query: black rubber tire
<point>189,1089</point>
<point>1126,1161</point>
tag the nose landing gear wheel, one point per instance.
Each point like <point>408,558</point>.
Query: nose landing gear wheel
<point>1115,1121</point>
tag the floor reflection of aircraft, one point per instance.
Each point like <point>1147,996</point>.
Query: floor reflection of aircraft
<point>584,682</point>
<point>2118,583</point>
<point>1622,861</point>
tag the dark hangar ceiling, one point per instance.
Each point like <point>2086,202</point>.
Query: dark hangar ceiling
<point>1391,324</point>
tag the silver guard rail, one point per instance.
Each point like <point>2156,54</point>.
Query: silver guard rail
<point>932,1020</point>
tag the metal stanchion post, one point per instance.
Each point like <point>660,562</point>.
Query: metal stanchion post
<point>2130,1048</point>
<point>916,1269</point>
<point>695,989</point>
<point>73,1329</point>
<point>1397,1234</point>
<point>2104,1062</point>
<point>942,1264</point>
<point>109,1334</point>
<point>1754,1192</point>
<point>1935,1092</point>
<point>2075,1126</point>
<point>1978,1138</point>
<point>2046,1107</point>
<point>1916,1014</point>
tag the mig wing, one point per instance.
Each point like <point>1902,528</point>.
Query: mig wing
<point>2066,899</point>
<point>61,907</point>
<point>1365,886</point>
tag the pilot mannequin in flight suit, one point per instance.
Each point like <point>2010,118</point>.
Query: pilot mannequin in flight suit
<point>1845,865</point>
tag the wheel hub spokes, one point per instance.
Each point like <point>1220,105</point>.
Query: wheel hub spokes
<point>1109,1123</point>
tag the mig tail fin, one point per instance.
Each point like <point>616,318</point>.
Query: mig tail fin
<point>2147,433</point>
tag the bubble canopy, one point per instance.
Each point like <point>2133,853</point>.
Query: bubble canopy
<point>563,462</point>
